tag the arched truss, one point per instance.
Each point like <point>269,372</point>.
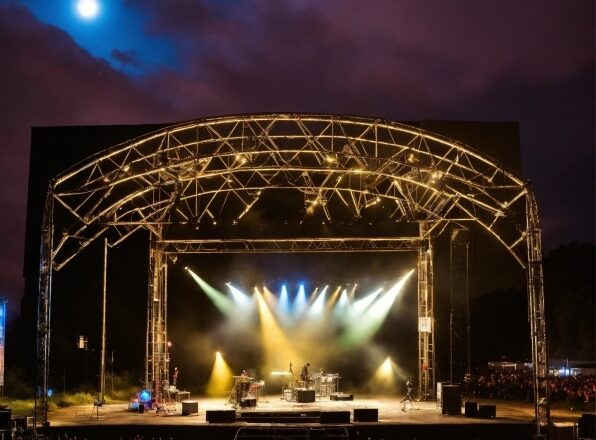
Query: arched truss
<point>342,170</point>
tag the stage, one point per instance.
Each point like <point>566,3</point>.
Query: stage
<point>277,418</point>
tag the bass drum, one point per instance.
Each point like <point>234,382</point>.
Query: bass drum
<point>288,394</point>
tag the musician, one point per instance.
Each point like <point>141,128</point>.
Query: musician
<point>304,372</point>
<point>175,378</point>
<point>242,386</point>
<point>408,397</point>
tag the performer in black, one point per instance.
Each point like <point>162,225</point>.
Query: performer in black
<point>304,372</point>
<point>175,378</point>
<point>408,397</point>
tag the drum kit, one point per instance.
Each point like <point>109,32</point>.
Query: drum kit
<point>326,384</point>
<point>246,392</point>
<point>323,384</point>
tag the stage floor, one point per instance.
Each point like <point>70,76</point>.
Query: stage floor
<point>389,412</point>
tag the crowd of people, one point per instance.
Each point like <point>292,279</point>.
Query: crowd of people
<point>519,385</point>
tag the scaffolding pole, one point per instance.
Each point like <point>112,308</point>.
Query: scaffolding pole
<point>157,360</point>
<point>537,316</point>
<point>44,301</point>
<point>426,355</point>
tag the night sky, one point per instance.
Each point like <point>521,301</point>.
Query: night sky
<point>153,61</point>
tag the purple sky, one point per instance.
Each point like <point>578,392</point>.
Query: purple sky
<point>152,61</point>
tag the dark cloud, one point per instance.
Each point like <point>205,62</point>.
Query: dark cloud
<point>529,61</point>
<point>48,80</point>
<point>126,57</point>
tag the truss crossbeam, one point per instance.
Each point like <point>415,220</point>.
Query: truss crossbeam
<point>290,245</point>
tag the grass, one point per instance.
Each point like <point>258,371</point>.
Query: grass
<point>25,407</point>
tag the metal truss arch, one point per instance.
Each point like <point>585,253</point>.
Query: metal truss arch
<point>341,168</point>
<point>228,162</point>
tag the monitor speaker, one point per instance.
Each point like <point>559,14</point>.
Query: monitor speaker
<point>335,417</point>
<point>305,396</point>
<point>471,409</point>
<point>221,416</point>
<point>487,411</point>
<point>366,415</point>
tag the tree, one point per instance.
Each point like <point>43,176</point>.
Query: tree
<point>569,298</point>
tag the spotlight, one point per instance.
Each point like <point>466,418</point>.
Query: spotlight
<point>145,396</point>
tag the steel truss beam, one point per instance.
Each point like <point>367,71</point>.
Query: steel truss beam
<point>290,245</point>
<point>339,167</point>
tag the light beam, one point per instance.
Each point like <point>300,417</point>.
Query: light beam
<point>220,382</point>
<point>222,302</point>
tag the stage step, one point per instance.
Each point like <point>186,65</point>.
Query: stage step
<point>256,433</point>
<point>279,417</point>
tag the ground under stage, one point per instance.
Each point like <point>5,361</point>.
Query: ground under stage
<point>513,420</point>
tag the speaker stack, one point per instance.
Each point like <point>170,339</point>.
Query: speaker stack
<point>5,416</point>
<point>586,426</point>
<point>451,399</point>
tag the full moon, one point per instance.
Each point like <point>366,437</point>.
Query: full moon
<point>88,8</point>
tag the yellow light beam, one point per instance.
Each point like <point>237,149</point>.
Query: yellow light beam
<point>278,349</point>
<point>332,299</point>
<point>220,382</point>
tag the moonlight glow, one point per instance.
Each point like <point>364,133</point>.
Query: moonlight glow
<point>87,8</point>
